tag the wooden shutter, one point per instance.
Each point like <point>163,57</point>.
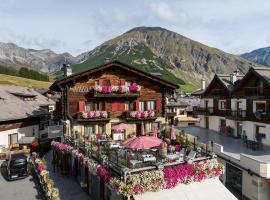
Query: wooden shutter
<point>100,82</point>
<point>158,106</point>
<point>114,106</point>
<point>137,105</point>
<point>81,106</point>
<point>122,106</point>
<point>123,82</point>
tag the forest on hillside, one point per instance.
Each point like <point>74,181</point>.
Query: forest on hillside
<point>25,73</point>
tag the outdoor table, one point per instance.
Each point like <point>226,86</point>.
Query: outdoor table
<point>172,156</point>
<point>149,158</point>
<point>135,162</point>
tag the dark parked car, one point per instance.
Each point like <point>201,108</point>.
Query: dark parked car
<point>17,167</point>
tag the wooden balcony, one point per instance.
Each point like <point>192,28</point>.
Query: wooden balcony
<point>202,110</point>
<point>80,118</point>
<point>256,92</point>
<point>262,117</point>
<point>129,117</point>
<point>117,95</point>
<point>219,92</point>
<point>238,114</point>
<point>170,114</point>
<point>223,112</point>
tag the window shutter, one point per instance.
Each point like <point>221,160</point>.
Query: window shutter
<point>122,106</point>
<point>81,106</point>
<point>158,106</point>
<point>123,82</point>
<point>137,105</point>
<point>100,82</point>
<point>114,106</point>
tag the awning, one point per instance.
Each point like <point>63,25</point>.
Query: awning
<point>27,140</point>
<point>210,189</point>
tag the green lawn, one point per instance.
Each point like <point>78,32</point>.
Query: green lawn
<point>15,80</point>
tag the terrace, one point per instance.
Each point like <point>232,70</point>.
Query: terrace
<point>120,163</point>
<point>234,149</point>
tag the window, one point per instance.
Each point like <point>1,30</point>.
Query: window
<point>106,82</point>
<point>260,107</point>
<point>150,126</point>
<point>141,106</point>
<point>151,105</point>
<point>89,106</point>
<point>127,105</point>
<point>100,106</point>
<point>206,103</point>
<point>222,105</point>
<point>97,82</point>
<point>101,128</point>
<point>13,138</point>
<point>128,83</point>
<point>89,130</point>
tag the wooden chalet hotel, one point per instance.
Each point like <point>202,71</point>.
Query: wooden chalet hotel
<point>95,100</point>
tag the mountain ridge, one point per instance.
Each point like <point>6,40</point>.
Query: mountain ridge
<point>260,56</point>
<point>165,50</point>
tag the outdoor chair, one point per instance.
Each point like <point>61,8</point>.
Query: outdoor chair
<point>191,156</point>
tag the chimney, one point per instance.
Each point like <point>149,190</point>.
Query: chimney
<point>203,84</point>
<point>106,60</point>
<point>234,76</point>
<point>67,70</point>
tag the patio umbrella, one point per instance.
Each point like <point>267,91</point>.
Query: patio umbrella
<point>128,140</point>
<point>120,127</point>
<point>173,134</point>
<point>142,129</point>
<point>142,142</point>
<point>154,131</point>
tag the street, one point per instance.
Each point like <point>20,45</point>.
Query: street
<point>23,189</point>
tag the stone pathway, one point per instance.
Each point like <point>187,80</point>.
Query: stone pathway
<point>68,187</point>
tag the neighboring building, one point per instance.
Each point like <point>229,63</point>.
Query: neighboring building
<point>24,112</point>
<point>178,111</point>
<point>96,99</point>
<point>238,106</point>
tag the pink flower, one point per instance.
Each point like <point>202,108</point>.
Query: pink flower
<point>103,173</point>
<point>42,167</point>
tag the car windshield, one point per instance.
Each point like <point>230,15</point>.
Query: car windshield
<point>18,159</point>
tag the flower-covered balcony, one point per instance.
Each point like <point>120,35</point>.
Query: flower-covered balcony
<point>117,91</point>
<point>141,115</point>
<point>93,116</point>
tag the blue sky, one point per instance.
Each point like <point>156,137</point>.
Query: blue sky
<point>75,26</point>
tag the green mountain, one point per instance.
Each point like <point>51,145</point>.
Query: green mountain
<point>176,57</point>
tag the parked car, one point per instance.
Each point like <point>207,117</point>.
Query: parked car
<point>17,166</point>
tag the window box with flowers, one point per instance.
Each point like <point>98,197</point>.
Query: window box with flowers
<point>149,114</point>
<point>108,90</point>
<point>93,115</point>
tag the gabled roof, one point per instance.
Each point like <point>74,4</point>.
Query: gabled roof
<point>13,107</point>
<point>73,77</point>
<point>262,73</point>
<point>225,81</point>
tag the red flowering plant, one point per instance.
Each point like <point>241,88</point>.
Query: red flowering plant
<point>104,173</point>
<point>42,167</point>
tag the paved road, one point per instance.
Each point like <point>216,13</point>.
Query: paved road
<point>69,188</point>
<point>24,189</point>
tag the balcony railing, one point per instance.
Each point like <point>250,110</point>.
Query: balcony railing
<point>170,113</point>
<point>203,111</point>
<point>256,92</point>
<point>93,116</point>
<point>238,114</point>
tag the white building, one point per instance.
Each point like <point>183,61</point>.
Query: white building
<point>23,112</point>
<point>239,107</point>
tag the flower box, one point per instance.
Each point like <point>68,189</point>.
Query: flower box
<point>142,114</point>
<point>121,89</point>
<point>94,115</point>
